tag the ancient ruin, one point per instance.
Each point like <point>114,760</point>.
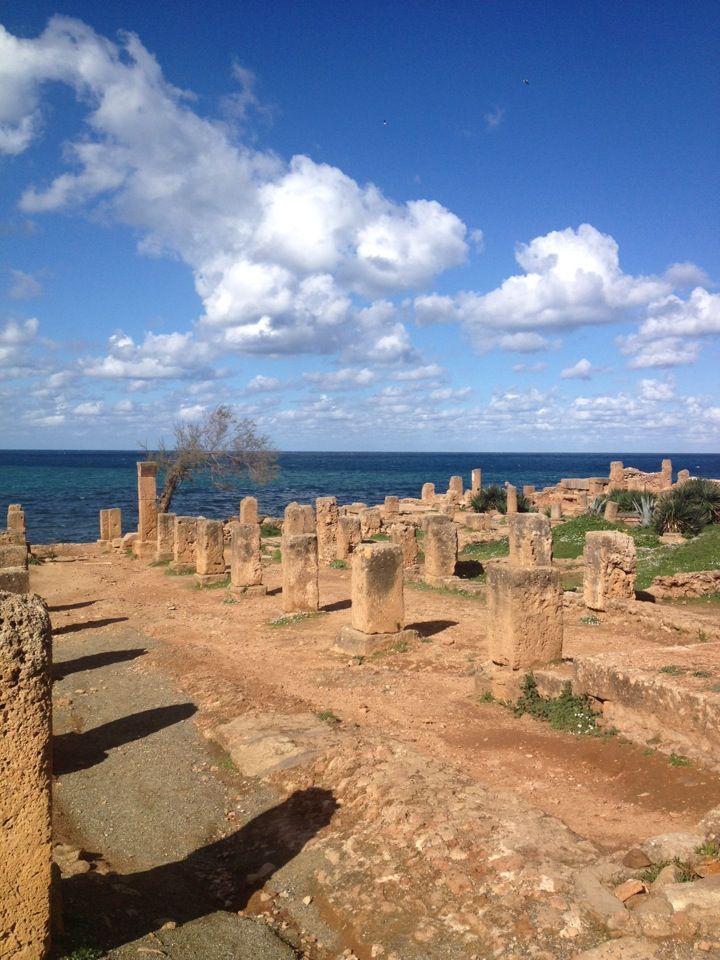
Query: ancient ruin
<point>326,514</point>
<point>249,510</point>
<point>246,560</point>
<point>165,551</point>
<point>146,543</point>
<point>300,573</point>
<point>184,545</point>
<point>441,549</point>
<point>610,565</point>
<point>209,559</point>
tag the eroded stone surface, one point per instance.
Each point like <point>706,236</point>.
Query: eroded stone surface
<point>610,560</point>
<point>245,560</point>
<point>209,560</point>
<point>530,538</point>
<point>377,588</point>
<point>440,546</point>
<point>300,573</point>
<point>525,621</point>
<point>326,512</point>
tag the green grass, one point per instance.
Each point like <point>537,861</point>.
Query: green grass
<point>270,530</point>
<point>678,760</point>
<point>221,585</point>
<point>275,555</point>
<point>486,550</point>
<point>591,620</point>
<point>339,564</point>
<point>448,591</point>
<point>289,619</point>
<point>402,646</point>
<point>567,712</point>
<point>327,716</point>
<point>684,872</point>
<point>709,849</point>
<point>379,537</point>
<point>33,561</point>
<point>700,553</point>
<point>673,670</point>
<point>569,537</point>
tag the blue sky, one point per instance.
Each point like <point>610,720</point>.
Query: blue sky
<point>359,225</point>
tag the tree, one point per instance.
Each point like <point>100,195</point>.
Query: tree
<point>220,445</point>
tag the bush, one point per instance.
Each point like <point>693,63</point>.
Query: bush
<point>494,497</point>
<point>628,501</point>
<point>689,508</point>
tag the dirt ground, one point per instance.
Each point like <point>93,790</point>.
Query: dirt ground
<point>189,660</point>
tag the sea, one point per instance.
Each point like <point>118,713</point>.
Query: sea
<point>63,490</point>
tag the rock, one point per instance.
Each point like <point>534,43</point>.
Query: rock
<point>667,875</point>
<point>629,889</point>
<point>709,869</point>
<point>709,826</point>
<point>668,846</point>
<point>627,948</point>
<point>701,897</point>
<point>654,915</point>
<point>595,898</point>
<point>636,859</point>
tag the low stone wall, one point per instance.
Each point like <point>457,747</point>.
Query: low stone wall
<point>679,585</point>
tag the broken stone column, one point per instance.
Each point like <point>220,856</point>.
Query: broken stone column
<point>392,508</point>
<point>455,488</point>
<point>114,523</point>
<point>530,538</point>
<point>16,520</point>
<point>428,493</point>
<point>104,528</point>
<point>298,518</point>
<point>146,543</point>
<point>683,476</point>
<point>370,523</point>
<point>249,510</point>
<point>525,622</point>
<point>528,489</point>
<point>348,535</point>
<point>582,501</point>
<point>596,485</point>
<point>25,775</point>
<point>378,609</point>
<point>617,475</point>
<point>300,573</point>
<point>556,511</point>
<point>403,534</point>
<point>441,549</point>
<point>666,472</point>
<point>511,501</point>
<point>610,567</point>
<point>184,545</point>
<point>246,560</point>
<point>611,511</point>
<point>326,519</point>
<point>14,574</point>
<point>476,480</point>
<point>165,538</point>
<point>209,559</point>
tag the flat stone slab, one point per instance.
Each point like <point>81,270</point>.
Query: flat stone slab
<point>210,579</point>
<point>251,590</point>
<point>261,745</point>
<point>358,644</point>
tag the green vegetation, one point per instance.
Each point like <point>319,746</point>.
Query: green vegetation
<point>700,553</point>
<point>494,497</point>
<point>678,760</point>
<point>709,849</point>
<point>83,953</point>
<point>450,591</point>
<point>339,564</point>
<point>673,670</point>
<point>689,508</point>
<point>169,572</point>
<point>487,697</point>
<point>684,872</point>
<point>33,560</point>
<point>327,716</point>
<point>569,537</point>
<point>270,530</point>
<point>402,646</point>
<point>486,550</point>
<point>591,620</point>
<point>379,537</point>
<point>220,585</point>
<point>567,712</point>
<point>290,618</point>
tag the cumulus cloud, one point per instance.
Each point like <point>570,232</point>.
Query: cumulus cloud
<point>345,378</point>
<point>90,409</point>
<point>163,356</point>
<point>278,250</point>
<point>261,384</point>
<point>582,370</point>
<point>686,274</point>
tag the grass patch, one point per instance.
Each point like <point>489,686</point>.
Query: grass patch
<point>700,553</point>
<point>380,537</point>
<point>486,549</point>
<point>702,674</point>
<point>226,762</point>
<point>402,646</point>
<point>678,760</point>
<point>275,555</point>
<point>327,716</point>
<point>569,537</point>
<point>83,953</point>
<point>673,670</point>
<point>288,619</point>
<point>159,563</point>
<point>169,572</point>
<point>270,530</point>
<point>487,697</point>
<point>33,561</point>
<point>567,712</point>
<point>684,872</point>
<point>709,849</point>
<point>339,564</point>
<point>590,620</point>
<point>448,591</point>
<point>220,585</point>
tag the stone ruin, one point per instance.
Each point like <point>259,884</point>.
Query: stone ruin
<point>246,560</point>
<point>110,526</point>
<point>209,557</point>
<point>146,543</point>
<point>14,574</point>
<point>403,534</point>
<point>249,510</point>
<point>326,523</point>
<point>25,775</point>
<point>184,545</point>
<point>441,550</point>
<point>165,551</point>
<point>300,593</point>
<point>348,535</point>
<point>610,562</point>
<point>377,601</point>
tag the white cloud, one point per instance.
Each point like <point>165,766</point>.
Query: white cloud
<point>90,409</point>
<point>347,377</point>
<point>24,286</point>
<point>686,274</point>
<point>526,342</point>
<point>529,367</point>
<point>657,390</point>
<point>494,118</point>
<point>428,371</point>
<point>261,384</point>
<point>161,356</point>
<point>664,352</point>
<point>582,370</point>
<point>447,393</point>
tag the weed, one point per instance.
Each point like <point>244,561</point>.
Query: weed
<point>402,646</point>
<point>486,549</point>
<point>229,600</point>
<point>380,537</point>
<point>709,849</point>
<point>702,636</point>
<point>327,716</point>
<point>591,620</point>
<point>270,530</point>
<point>684,872</point>
<point>339,564</point>
<point>33,561</point>
<point>673,670</point>
<point>83,953</point>
<point>289,618</point>
<point>566,712</point>
<point>226,762</point>
<point>702,674</point>
<point>487,697</point>
<point>715,688</point>
<point>220,585</point>
<point>678,760</point>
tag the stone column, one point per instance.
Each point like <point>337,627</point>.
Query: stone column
<point>146,543</point>
<point>428,493</point>
<point>582,501</point>
<point>16,519</point>
<point>25,775</point>
<point>596,486</point>
<point>249,510</point>
<point>666,472</point>
<point>326,514</point>
<point>525,622</point>
<point>511,492</point>
<point>556,511</point>
<point>298,518</point>
<point>392,508</point>
<point>348,535</point>
<point>104,528</point>
<point>611,511</point>
<point>528,490</point>
<point>165,550</point>
<point>476,480</point>
<point>209,559</point>
<point>370,523</point>
<point>114,521</point>
<point>610,567</point>
<point>455,488</point>
<point>300,573</point>
<point>683,476</point>
<point>530,538</point>
<point>617,475</point>
<point>184,542</point>
<point>441,548</point>
<point>14,574</point>
<point>403,534</point>
<point>246,560</point>
<point>378,610</point>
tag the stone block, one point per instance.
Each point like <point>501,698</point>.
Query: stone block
<point>298,518</point>
<point>249,510</point>
<point>356,643</point>
<point>610,566</point>
<point>403,534</point>
<point>392,507</point>
<point>377,588</point>
<point>476,480</point>
<point>428,493</point>
<point>184,544</point>
<point>326,519</point>
<point>683,476</point>
<point>370,523</point>
<point>15,580</point>
<point>511,493</point>
<point>114,523</point>
<point>104,527</point>
<point>440,547</point>
<point>165,537</point>
<point>666,472</point>
<point>477,521</point>
<point>16,518</point>
<point>300,573</point>
<point>617,473</point>
<point>14,555</point>
<point>556,511</point>
<point>528,489</point>
<point>147,501</point>
<point>530,537</point>
<point>209,559</point>
<point>611,511</point>
<point>245,557</point>
<point>455,488</point>
<point>525,615</point>
<point>348,535</point>
<point>25,775</point>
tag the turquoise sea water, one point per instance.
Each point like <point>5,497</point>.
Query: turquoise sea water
<point>62,491</point>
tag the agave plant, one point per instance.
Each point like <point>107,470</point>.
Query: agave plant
<point>644,509</point>
<point>494,497</point>
<point>597,506</point>
<point>688,508</point>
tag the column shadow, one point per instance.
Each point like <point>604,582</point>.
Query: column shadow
<point>93,661</point>
<point>87,625</point>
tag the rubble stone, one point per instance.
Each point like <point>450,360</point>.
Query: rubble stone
<point>249,510</point>
<point>348,535</point>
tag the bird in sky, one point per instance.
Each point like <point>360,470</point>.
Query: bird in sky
<point>526,83</point>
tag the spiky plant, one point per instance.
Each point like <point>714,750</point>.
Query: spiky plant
<point>494,497</point>
<point>644,509</point>
<point>597,506</point>
<point>688,508</point>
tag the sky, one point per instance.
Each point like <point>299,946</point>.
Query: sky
<point>365,226</point>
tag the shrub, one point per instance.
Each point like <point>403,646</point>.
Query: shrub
<point>494,497</point>
<point>688,509</point>
<point>628,500</point>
